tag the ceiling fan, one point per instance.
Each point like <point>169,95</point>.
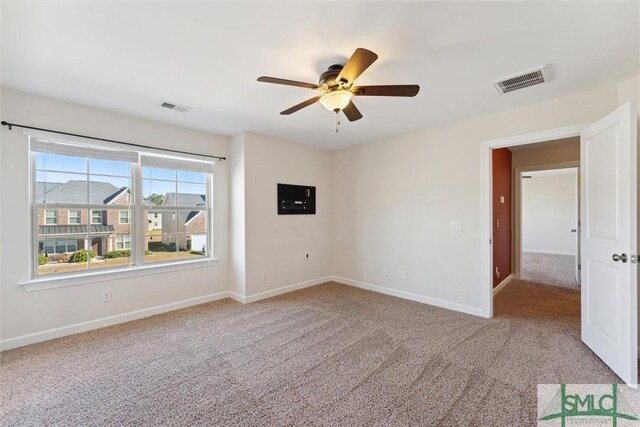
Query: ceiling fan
<point>337,85</point>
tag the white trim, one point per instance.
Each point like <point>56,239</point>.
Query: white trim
<point>108,274</point>
<point>463,308</point>
<point>502,284</point>
<point>77,328</point>
<point>486,280</point>
<point>282,290</point>
<point>543,251</point>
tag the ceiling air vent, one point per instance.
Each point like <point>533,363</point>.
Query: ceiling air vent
<point>174,106</point>
<point>518,81</point>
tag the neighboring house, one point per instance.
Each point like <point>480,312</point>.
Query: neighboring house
<point>190,228</point>
<point>68,230</point>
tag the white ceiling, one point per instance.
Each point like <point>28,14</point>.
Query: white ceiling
<point>127,57</point>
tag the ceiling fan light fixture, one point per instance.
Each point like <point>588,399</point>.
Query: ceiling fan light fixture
<point>336,100</point>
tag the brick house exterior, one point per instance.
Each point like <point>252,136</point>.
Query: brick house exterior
<point>64,231</point>
<point>67,230</point>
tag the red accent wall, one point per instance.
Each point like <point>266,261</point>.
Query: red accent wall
<point>501,214</point>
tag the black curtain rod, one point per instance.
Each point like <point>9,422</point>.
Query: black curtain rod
<point>11,125</point>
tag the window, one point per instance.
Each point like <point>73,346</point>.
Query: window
<point>101,183</point>
<point>51,217</point>
<point>49,247</point>
<point>123,243</point>
<point>74,217</point>
<point>96,217</point>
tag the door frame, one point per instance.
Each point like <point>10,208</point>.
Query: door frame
<point>517,214</point>
<point>486,195</point>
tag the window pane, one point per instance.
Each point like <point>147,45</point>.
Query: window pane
<point>55,255</point>
<point>109,167</point>
<point>196,177</point>
<point>191,194</point>
<point>57,162</point>
<point>54,187</point>
<point>155,192</point>
<point>124,217</point>
<point>110,250</point>
<point>161,248</point>
<point>192,222</point>
<point>156,173</point>
<point>106,189</point>
<point>186,249</point>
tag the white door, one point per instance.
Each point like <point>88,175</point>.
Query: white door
<point>608,237</point>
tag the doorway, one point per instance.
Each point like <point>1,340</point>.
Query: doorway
<point>608,226</point>
<point>547,220</point>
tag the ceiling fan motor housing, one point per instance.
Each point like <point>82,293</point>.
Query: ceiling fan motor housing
<point>330,75</point>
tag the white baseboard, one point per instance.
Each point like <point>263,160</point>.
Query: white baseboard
<point>410,296</point>
<point>106,321</point>
<point>278,291</point>
<point>502,284</point>
<point>542,251</point>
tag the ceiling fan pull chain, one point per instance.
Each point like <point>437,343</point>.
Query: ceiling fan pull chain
<point>337,120</point>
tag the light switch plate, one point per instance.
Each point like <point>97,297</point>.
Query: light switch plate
<point>456,225</point>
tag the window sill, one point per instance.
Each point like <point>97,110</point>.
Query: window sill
<point>61,281</point>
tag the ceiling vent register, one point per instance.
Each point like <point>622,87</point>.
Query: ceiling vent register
<point>519,81</point>
<point>174,106</point>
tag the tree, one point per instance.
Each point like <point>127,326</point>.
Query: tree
<point>154,198</point>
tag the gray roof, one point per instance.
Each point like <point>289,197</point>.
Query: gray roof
<point>185,199</point>
<point>76,192</point>
<point>53,230</point>
<point>43,188</point>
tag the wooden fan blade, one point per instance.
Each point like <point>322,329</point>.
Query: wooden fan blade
<point>300,106</point>
<point>387,90</point>
<point>359,61</point>
<point>352,112</point>
<point>266,79</point>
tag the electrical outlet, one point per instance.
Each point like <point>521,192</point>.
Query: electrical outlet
<point>265,276</point>
<point>404,275</point>
<point>456,225</point>
<point>385,272</point>
<point>105,296</point>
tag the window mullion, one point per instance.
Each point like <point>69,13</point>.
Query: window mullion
<point>137,223</point>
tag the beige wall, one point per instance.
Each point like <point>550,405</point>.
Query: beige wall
<point>559,151</point>
<point>393,201</point>
<point>277,244</point>
<point>30,312</point>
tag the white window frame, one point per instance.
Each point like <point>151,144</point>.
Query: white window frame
<point>125,241</point>
<point>137,225</point>
<point>79,217</point>
<point>46,217</point>
<point>92,217</point>
<point>128,216</point>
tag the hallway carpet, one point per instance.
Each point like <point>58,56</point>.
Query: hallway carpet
<point>330,355</point>
<point>558,270</point>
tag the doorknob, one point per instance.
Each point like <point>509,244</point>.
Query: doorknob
<point>622,257</point>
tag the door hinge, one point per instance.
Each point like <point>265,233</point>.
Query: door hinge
<point>634,259</point>
<point>579,266</point>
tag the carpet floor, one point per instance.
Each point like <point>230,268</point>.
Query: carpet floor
<point>558,270</point>
<point>330,355</point>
